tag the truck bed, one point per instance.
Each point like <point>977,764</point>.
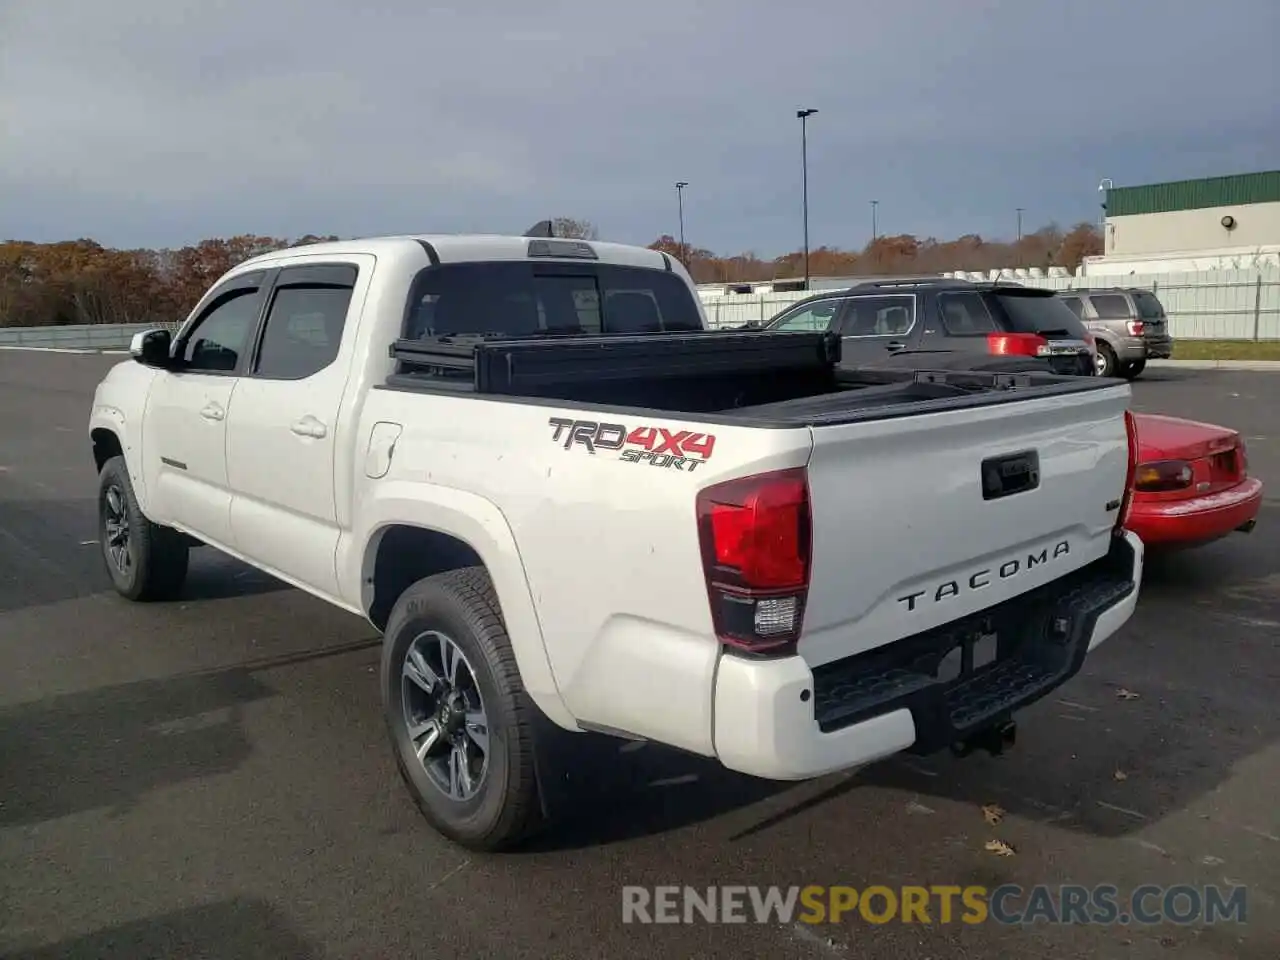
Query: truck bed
<point>749,378</point>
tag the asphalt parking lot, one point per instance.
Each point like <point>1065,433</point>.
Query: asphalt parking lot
<point>210,778</point>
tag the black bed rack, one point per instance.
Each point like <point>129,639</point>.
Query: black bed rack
<point>500,364</point>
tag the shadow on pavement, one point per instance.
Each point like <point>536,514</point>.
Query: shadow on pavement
<point>106,748</point>
<point>49,553</point>
<point>245,929</point>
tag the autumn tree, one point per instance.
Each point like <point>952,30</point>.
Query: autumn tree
<point>81,281</point>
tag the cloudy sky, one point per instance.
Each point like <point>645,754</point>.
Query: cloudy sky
<point>159,122</point>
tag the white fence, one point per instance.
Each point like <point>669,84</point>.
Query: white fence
<point>81,336</point>
<point>1205,305</point>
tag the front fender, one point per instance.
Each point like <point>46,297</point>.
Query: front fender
<point>479,523</point>
<point>118,405</point>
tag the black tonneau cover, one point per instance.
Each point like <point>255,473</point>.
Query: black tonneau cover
<point>502,365</point>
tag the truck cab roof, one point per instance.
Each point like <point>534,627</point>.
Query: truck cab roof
<point>466,248</point>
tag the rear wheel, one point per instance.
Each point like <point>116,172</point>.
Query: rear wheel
<point>1130,371</point>
<point>1105,363</point>
<point>460,721</point>
<point>146,561</point>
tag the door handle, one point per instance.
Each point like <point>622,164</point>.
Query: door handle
<point>309,426</point>
<point>893,346</point>
<point>212,411</point>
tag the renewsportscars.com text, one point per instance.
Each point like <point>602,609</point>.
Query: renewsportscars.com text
<point>1147,904</point>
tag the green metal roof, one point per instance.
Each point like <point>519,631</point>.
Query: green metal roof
<point>1194,194</point>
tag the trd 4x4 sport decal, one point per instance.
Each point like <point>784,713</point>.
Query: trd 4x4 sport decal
<point>655,446</point>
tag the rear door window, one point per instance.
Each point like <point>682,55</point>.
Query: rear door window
<point>1036,311</point>
<point>1149,307</point>
<point>965,315</point>
<point>524,299</point>
<point>1110,306</point>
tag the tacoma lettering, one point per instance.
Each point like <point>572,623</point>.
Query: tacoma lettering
<point>983,578</point>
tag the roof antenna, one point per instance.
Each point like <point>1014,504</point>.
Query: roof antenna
<point>543,228</point>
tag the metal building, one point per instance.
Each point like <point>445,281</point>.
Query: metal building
<point>1207,219</point>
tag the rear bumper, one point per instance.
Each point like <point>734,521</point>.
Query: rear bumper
<point>1196,520</point>
<point>781,720</point>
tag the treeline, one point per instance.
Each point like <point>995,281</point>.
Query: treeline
<point>81,281</point>
<point>897,256</point>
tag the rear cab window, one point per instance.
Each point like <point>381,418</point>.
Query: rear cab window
<point>1029,310</point>
<point>521,298</point>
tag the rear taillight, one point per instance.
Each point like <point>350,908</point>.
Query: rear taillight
<point>755,535</point>
<point>1017,344</point>
<point>1126,499</point>
<point>1161,476</point>
<point>1242,459</point>
<point>1136,327</point>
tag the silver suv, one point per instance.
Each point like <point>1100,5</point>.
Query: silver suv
<point>1128,324</point>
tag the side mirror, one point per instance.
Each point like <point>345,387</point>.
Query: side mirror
<point>152,347</point>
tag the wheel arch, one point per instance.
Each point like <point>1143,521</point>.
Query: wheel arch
<point>410,537</point>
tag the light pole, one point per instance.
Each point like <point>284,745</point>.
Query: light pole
<point>803,116</point>
<point>680,185</point>
<point>1019,224</point>
<point>1103,187</point>
<point>875,233</point>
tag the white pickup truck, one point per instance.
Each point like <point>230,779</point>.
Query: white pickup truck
<point>558,496</point>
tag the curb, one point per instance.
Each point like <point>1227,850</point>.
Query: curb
<point>1270,366</point>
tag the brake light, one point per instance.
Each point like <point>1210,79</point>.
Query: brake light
<point>1017,344</point>
<point>1136,327</point>
<point>1126,498</point>
<point>755,534</point>
<point>1160,476</point>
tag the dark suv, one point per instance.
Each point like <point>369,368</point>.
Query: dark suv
<point>896,321</point>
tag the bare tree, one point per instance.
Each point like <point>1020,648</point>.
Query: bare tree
<point>575,229</point>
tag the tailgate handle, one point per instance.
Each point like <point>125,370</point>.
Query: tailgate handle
<point>1010,474</point>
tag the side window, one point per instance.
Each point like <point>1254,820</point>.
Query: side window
<point>879,317</point>
<point>219,339</point>
<point>813,318</point>
<point>1110,306</point>
<point>305,322</point>
<point>1076,306</point>
<point>965,315</point>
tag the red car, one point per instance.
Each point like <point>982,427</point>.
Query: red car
<point>1192,483</point>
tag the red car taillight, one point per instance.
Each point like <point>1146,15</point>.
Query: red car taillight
<point>1017,344</point>
<point>1161,476</point>
<point>755,535</point>
<point>1136,328</point>
<point>1126,499</point>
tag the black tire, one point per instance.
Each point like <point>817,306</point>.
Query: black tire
<point>506,808</point>
<point>1106,361</point>
<point>1130,371</point>
<point>149,561</point>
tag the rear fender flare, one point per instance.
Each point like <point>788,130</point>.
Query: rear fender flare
<point>479,523</point>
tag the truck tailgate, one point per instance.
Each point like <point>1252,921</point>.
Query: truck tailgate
<point>918,521</point>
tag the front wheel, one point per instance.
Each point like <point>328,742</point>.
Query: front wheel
<point>460,721</point>
<point>1105,362</point>
<point>146,561</point>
